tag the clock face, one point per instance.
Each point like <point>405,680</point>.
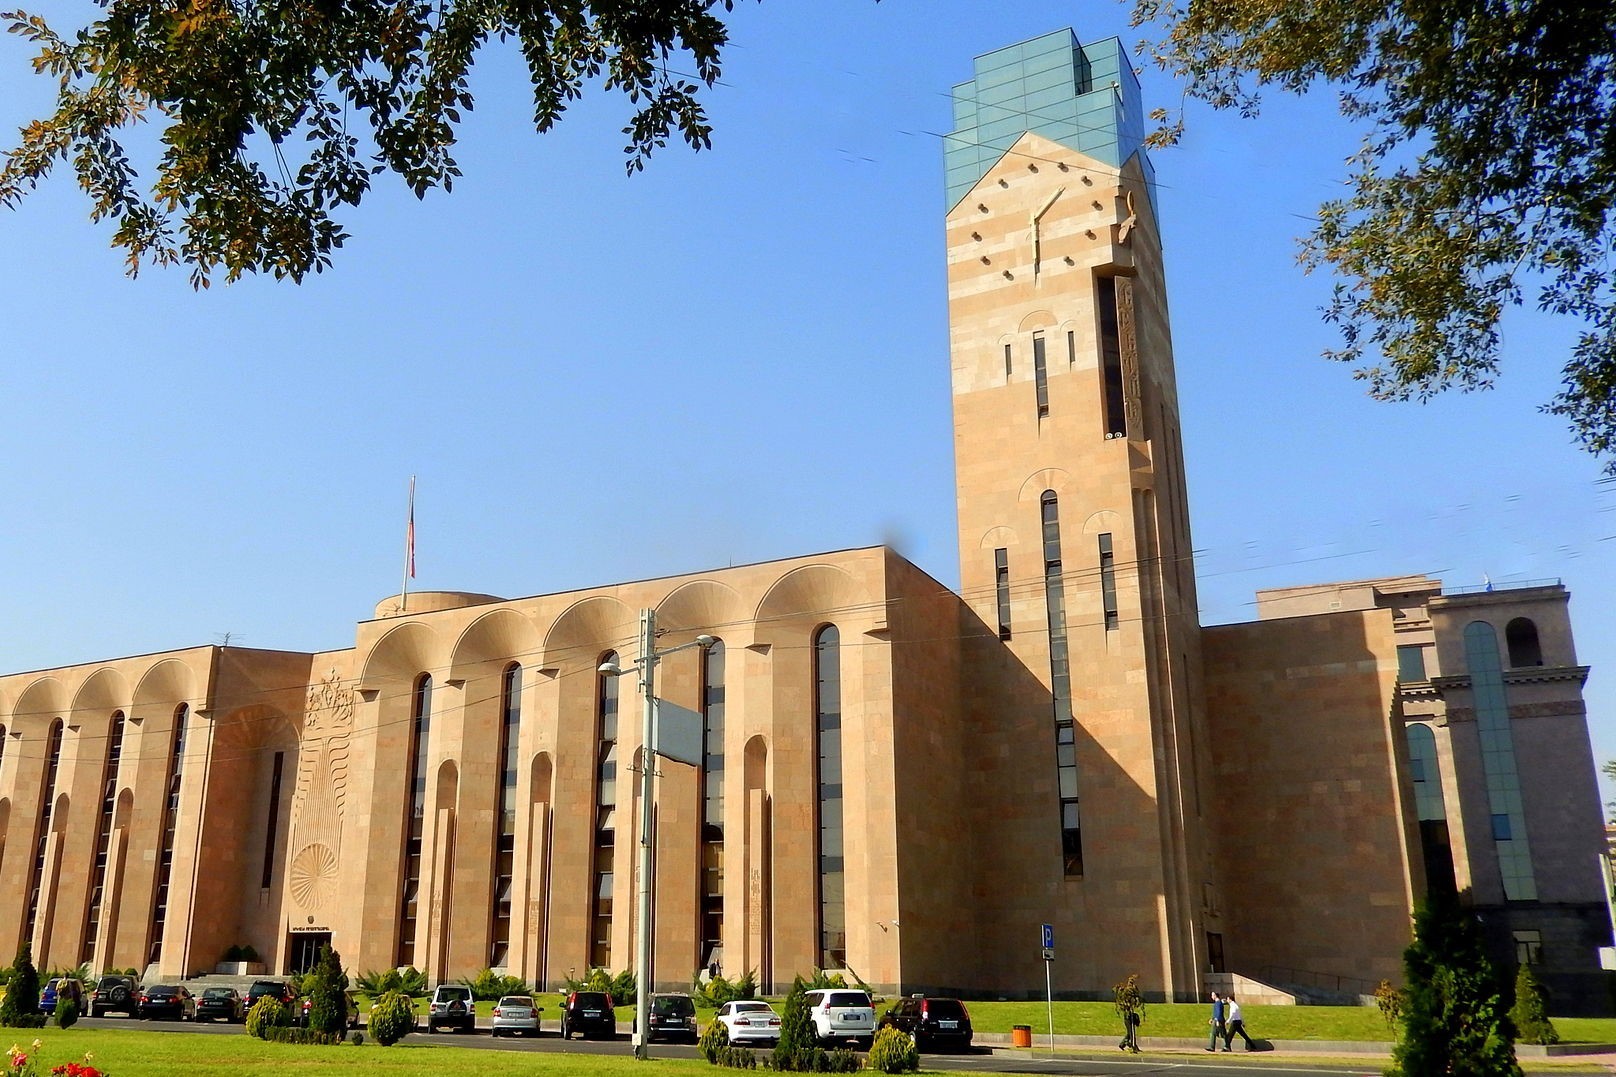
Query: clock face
<point>1037,217</point>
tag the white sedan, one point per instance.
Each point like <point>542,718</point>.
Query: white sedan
<point>516,1015</point>
<point>749,1021</point>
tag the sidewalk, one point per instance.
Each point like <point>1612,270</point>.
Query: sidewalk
<point>1602,1054</point>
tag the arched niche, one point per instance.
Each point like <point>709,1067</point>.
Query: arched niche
<point>586,629</point>
<point>808,595</point>
<point>702,606</point>
<point>106,690</point>
<point>399,657</point>
<point>491,643</point>
<point>40,704</point>
<point>162,688</point>
<point>1049,478</point>
<point>1520,638</point>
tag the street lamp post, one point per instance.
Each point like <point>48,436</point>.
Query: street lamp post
<point>646,662</point>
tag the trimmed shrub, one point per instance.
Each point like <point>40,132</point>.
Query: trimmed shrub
<point>67,1012</point>
<point>843,1060</point>
<point>736,1058</point>
<point>267,1013</point>
<point>282,1034</point>
<point>1531,1012</point>
<point>714,1040</point>
<point>357,1039</point>
<point>894,1052</point>
<point>392,1017</point>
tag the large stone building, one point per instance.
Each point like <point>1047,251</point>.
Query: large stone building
<point>895,779</point>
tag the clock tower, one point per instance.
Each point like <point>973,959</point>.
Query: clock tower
<point>1073,522</point>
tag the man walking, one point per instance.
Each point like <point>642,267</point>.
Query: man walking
<point>1216,1022</point>
<point>1235,1026</point>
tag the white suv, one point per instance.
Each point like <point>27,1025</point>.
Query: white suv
<point>840,1014</point>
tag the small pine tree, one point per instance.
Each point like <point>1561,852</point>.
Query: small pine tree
<point>327,986</point>
<point>1531,1012</point>
<point>1455,1021</point>
<point>392,1017</point>
<point>20,1007</point>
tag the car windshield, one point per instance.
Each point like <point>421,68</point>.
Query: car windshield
<point>163,992</point>
<point>848,998</point>
<point>945,1008</point>
<point>217,992</point>
<point>516,1000</point>
<point>675,1006</point>
<point>751,1007</point>
<point>590,998</point>
<point>454,992</point>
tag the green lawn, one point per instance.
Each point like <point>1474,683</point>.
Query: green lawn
<point>138,1053</point>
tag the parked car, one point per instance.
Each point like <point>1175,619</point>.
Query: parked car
<point>173,1001</point>
<point>588,1014</point>
<point>279,990</point>
<point>516,1015</point>
<point>115,994</point>
<point>451,1007</point>
<point>840,1014</point>
<point>352,1019</point>
<point>673,1017</point>
<point>221,1004</point>
<point>58,988</point>
<point>749,1021</point>
<point>931,1022</point>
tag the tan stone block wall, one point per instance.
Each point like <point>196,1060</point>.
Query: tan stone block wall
<point>1314,815</point>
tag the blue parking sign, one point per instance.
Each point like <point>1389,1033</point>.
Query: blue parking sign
<point>1049,937</point>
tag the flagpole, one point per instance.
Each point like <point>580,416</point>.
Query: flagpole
<point>409,552</point>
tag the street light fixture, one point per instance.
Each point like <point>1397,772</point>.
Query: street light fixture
<point>646,665</point>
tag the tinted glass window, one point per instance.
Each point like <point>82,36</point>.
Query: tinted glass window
<point>946,1008</point>
<point>849,998</point>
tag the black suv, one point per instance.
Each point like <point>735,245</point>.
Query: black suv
<point>932,1022</point>
<point>673,1017</point>
<point>115,993</point>
<point>279,990</point>
<point>588,1014</point>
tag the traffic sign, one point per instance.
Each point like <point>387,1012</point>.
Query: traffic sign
<point>1049,953</point>
<point>1049,939</point>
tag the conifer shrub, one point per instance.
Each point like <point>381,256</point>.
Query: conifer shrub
<point>266,1014</point>
<point>1531,1012</point>
<point>894,1052</point>
<point>67,1012</point>
<point>20,1007</point>
<point>392,1017</point>
<point>1455,1020</point>
<point>713,1040</point>
<point>327,988</point>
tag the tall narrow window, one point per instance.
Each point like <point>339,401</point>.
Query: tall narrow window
<point>1108,583</point>
<point>1071,348</point>
<point>1113,412</point>
<point>1426,769</point>
<point>505,836</point>
<point>1040,374</point>
<point>1060,679</point>
<point>47,806</point>
<point>600,909</point>
<point>171,815</point>
<point>828,733</point>
<point>712,807</point>
<point>1498,762</point>
<point>103,836</point>
<point>415,818</point>
<point>1007,362</point>
<point>1001,588</point>
<point>266,878</point>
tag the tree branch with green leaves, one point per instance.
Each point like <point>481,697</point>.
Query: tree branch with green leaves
<point>1486,178</point>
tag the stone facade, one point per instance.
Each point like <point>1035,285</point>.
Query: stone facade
<point>895,779</point>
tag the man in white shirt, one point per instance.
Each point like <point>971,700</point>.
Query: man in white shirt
<point>1233,1026</point>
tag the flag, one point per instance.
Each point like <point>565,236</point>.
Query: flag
<point>409,533</point>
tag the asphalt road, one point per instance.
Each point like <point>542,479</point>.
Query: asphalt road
<point>980,1060</point>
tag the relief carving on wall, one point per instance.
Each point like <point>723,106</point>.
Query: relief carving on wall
<point>1128,342</point>
<point>322,786</point>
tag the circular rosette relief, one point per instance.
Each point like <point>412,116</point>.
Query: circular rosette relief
<point>314,875</point>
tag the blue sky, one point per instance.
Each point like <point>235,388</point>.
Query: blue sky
<point>736,356</point>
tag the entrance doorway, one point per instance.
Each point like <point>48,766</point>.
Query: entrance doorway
<point>304,951</point>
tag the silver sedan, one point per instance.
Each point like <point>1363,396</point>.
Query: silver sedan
<point>516,1015</point>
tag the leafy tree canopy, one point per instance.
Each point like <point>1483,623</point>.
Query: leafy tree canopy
<point>1486,177</point>
<point>272,114</point>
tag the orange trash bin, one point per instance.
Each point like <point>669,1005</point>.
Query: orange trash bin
<point>1020,1035</point>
